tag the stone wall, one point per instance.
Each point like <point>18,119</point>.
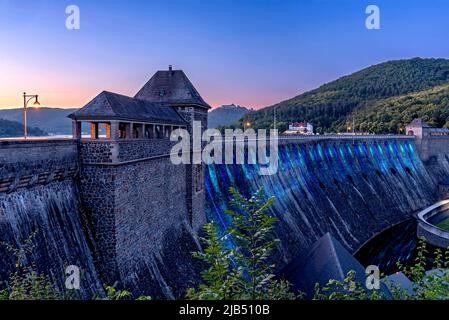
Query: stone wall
<point>39,195</point>
<point>195,185</point>
<point>110,151</point>
<point>97,195</point>
<point>434,152</point>
<point>136,208</point>
<point>24,164</point>
<point>433,146</point>
<point>151,218</point>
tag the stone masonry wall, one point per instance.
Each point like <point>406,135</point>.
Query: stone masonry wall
<point>151,226</point>
<point>97,195</point>
<point>434,152</point>
<point>24,164</point>
<point>195,193</point>
<point>198,193</point>
<point>136,209</point>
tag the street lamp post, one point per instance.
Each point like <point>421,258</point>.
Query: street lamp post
<point>26,99</point>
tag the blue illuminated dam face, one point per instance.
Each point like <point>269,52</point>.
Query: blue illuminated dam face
<point>354,191</point>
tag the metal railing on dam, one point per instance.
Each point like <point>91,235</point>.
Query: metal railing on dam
<point>345,137</point>
<point>285,139</point>
<point>315,137</point>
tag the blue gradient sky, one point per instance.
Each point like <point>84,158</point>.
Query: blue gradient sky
<point>250,52</point>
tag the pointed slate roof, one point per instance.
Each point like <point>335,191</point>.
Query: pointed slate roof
<point>113,106</point>
<point>171,87</point>
<point>327,259</point>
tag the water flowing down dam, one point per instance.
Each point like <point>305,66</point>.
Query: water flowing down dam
<point>52,213</point>
<point>40,204</point>
<point>352,189</point>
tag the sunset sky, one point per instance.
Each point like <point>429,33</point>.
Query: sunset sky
<point>249,52</point>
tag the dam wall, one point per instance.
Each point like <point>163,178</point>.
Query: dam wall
<point>39,195</point>
<point>120,210</point>
<point>434,152</point>
<point>136,205</point>
<point>352,187</point>
<point>116,209</point>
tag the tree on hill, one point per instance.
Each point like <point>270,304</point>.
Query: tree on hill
<point>330,107</point>
<point>393,114</point>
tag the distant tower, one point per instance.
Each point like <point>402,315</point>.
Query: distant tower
<point>173,89</point>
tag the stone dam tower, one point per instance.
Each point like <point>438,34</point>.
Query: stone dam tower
<point>141,211</point>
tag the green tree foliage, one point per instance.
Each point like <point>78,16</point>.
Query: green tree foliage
<point>393,114</point>
<point>28,284</point>
<point>330,107</point>
<point>220,279</point>
<point>348,289</point>
<point>25,282</point>
<point>239,262</point>
<point>114,294</point>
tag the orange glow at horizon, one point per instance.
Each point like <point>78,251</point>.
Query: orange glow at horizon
<point>56,93</point>
<point>75,87</point>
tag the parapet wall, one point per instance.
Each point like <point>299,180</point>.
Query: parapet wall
<point>24,164</point>
<point>121,151</point>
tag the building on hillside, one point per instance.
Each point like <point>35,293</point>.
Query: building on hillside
<point>299,128</point>
<point>420,129</point>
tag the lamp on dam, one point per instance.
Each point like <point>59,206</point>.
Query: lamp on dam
<point>26,99</point>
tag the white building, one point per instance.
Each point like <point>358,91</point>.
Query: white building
<point>299,128</point>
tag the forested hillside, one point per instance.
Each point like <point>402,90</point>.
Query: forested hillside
<point>52,120</point>
<point>393,114</point>
<point>330,107</point>
<point>15,129</point>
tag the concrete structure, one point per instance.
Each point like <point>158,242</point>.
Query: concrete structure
<point>132,194</point>
<point>135,206</point>
<point>300,128</point>
<point>26,164</point>
<point>39,194</point>
<point>419,128</point>
<point>432,145</point>
<point>428,230</point>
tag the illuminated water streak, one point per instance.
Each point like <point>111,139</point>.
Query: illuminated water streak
<point>357,188</point>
